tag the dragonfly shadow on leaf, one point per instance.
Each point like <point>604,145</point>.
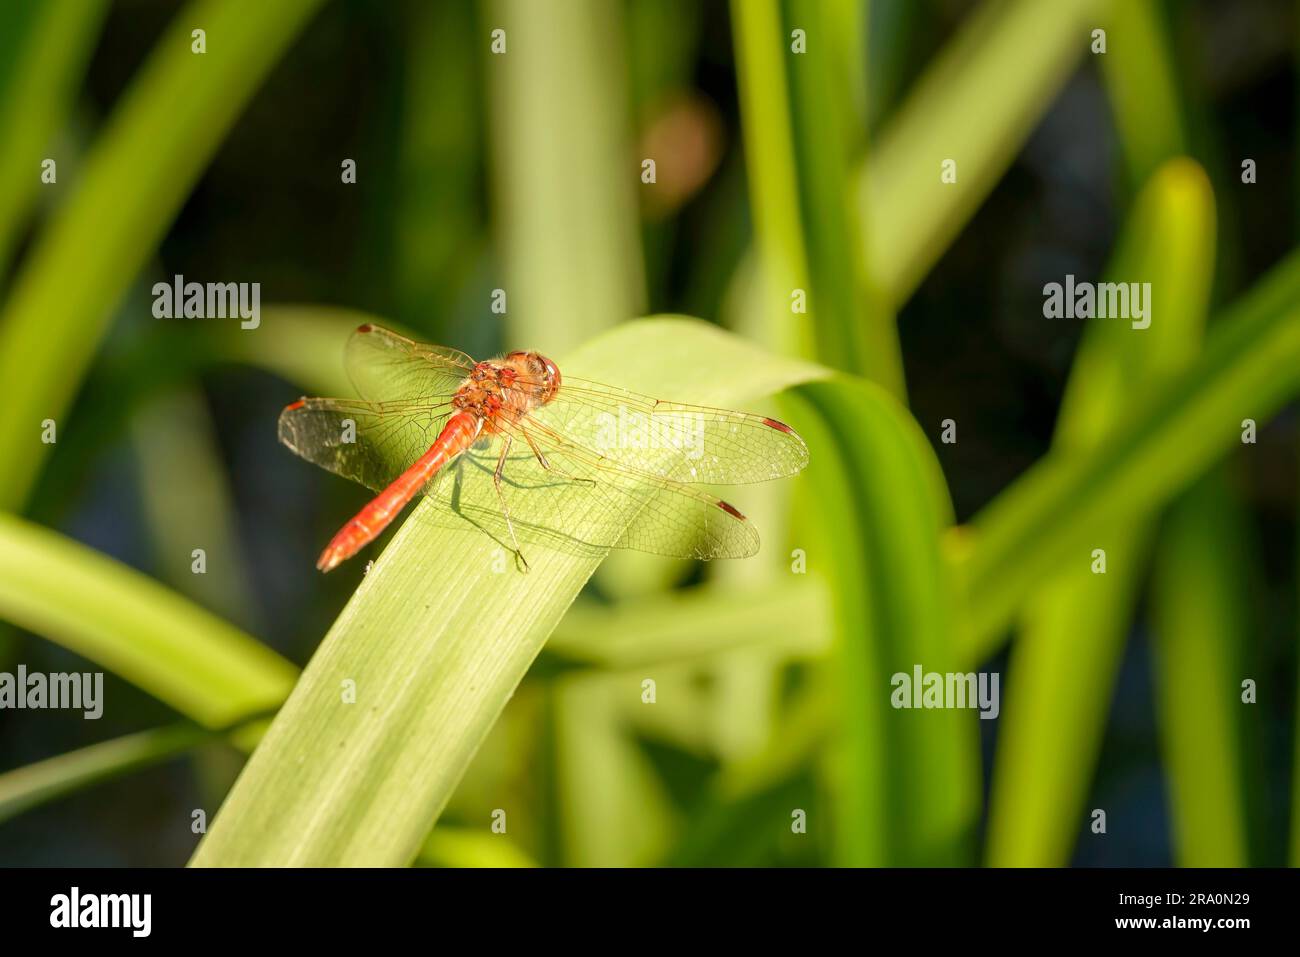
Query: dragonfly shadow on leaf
<point>542,503</point>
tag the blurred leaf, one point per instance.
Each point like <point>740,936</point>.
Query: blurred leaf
<point>436,643</point>
<point>749,831</point>
<point>464,847</point>
<point>143,166</point>
<point>35,784</point>
<point>565,178</point>
<point>977,103</point>
<point>188,504</point>
<point>1063,666</point>
<point>302,346</point>
<point>1204,526</point>
<point>614,808</point>
<point>1173,432</point>
<point>905,782</point>
<point>688,625</point>
<point>854,326</point>
<point>1201,612</point>
<point>440,232</point>
<point>45,46</point>
<point>118,618</point>
<point>773,178</point>
<point>1141,86</point>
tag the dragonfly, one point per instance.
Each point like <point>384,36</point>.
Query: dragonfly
<point>514,447</point>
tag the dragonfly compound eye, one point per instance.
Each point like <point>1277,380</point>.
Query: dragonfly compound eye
<point>552,374</point>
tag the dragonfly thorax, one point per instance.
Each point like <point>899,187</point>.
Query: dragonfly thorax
<point>510,387</point>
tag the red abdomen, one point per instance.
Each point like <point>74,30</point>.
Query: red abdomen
<point>457,435</point>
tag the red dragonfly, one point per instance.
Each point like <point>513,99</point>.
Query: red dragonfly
<point>511,445</point>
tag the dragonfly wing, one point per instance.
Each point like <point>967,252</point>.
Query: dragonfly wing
<point>368,442</point>
<point>384,365</point>
<point>580,501</point>
<point>672,440</point>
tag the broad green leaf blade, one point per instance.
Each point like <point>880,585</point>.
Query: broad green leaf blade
<point>1173,432</point>
<point>436,638</point>
<point>1063,665</point>
<point>160,642</point>
<point>976,104</point>
<point>143,166</point>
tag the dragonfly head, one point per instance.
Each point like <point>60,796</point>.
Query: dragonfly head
<point>539,370</point>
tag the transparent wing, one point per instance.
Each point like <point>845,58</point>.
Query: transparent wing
<point>386,366</point>
<point>597,467</point>
<point>672,440</point>
<point>368,442</point>
<point>577,500</point>
<point>580,501</point>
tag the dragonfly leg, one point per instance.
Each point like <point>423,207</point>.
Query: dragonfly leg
<point>546,466</point>
<point>505,509</point>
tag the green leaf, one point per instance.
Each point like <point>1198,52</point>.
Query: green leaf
<point>1171,434</point>
<point>564,180</point>
<point>854,327</point>
<point>154,147</point>
<point>905,781</point>
<point>436,641</point>
<point>1201,615</point>
<point>35,784</point>
<point>1064,663</point>
<point>770,165</point>
<point>45,46</point>
<point>1141,84</point>
<point>976,104</point>
<point>160,642</point>
<point>188,503</point>
<point>688,625</point>
<point>463,847</point>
